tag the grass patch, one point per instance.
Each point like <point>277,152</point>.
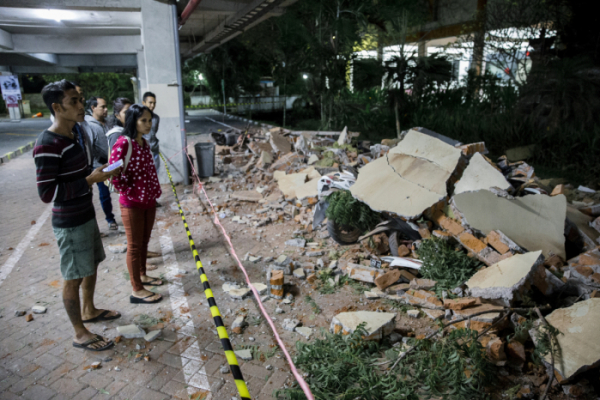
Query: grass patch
<point>313,304</point>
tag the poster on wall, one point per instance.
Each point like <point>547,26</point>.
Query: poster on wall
<point>11,92</point>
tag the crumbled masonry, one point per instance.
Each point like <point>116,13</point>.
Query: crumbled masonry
<point>503,240</point>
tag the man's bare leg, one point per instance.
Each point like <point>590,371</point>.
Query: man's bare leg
<point>88,288</point>
<point>73,308</point>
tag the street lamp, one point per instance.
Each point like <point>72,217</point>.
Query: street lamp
<point>305,76</point>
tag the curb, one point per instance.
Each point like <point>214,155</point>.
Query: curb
<point>14,154</point>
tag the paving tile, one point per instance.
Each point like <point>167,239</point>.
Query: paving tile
<point>67,386</point>
<point>147,394</point>
<point>38,392</point>
<point>86,394</point>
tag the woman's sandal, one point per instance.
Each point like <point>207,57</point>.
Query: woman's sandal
<point>142,300</point>
<point>102,317</point>
<point>153,282</point>
<point>113,226</point>
<point>95,339</point>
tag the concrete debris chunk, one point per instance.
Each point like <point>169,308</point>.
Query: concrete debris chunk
<point>413,313</point>
<point>313,159</point>
<point>579,341</point>
<point>299,273</point>
<point>378,324</point>
<point>534,222</point>
<point>238,324</point>
<point>304,331</point>
<point>261,288</point>
<point>362,273</point>
<point>296,243</point>
<point>239,294</point>
<point>117,248</point>
<point>411,178</point>
<point>480,174</point>
<point>229,286</point>
<point>425,284</point>
<point>152,335</point>
<point>131,331</point>
<point>245,355</point>
<point>38,309</point>
<point>423,298</point>
<point>580,223</point>
<point>433,314</point>
<point>280,143</point>
<point>289,183</point>
<point>247,195</point>
<point>290,324</point>
<point>507,279</point>
<point>371,295</point>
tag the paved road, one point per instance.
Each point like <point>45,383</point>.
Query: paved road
<point>16,134</point>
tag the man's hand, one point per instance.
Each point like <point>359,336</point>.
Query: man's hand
<point>100,176</point>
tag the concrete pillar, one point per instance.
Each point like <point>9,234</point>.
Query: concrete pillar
<point>141,74</point>
<point>159,56</point>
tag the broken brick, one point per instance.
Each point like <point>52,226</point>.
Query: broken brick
<point>471,242</point>
<point>495,240</point>
<point>558,189</point>
<point>311,278</point>
<point>451,226</point>
<point>403,251</point>
<point>388,279</point>
<point>406,276</point>
<point>460,303</point>
<point>29,318</point>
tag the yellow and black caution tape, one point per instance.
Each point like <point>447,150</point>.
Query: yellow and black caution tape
<point>234,104</point>
<point>214,310</point>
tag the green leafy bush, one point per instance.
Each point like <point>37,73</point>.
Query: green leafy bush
<point>449,267</point>
<point>345,368</point>
<point>344,209</point>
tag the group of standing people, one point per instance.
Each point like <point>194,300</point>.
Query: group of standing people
<point>72,155</point>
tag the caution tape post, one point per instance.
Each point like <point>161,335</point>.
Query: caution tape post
<point>214,310</point>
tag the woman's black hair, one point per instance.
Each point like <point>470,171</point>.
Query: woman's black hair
<point>118,105</point>
<point>132,115</point>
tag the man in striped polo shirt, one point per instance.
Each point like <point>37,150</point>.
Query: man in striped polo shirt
<point>65,177</point>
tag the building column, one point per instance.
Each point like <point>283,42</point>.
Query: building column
<point>159,35</point>
<point>141,74</point>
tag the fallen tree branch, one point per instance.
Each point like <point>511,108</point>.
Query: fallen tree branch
<point>549,334</point>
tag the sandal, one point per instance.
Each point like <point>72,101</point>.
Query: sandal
<point>153,282</point>
<point>142,300</point>
<point>113,226</point>
<point>151,267</point>
<point>95,339</point>
<point>102,317</point>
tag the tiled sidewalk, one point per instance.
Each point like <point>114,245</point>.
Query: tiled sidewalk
<point>37,360</point>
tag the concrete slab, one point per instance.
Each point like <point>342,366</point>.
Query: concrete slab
<point>507,278</point>
<point>247,195</point>
<point>478,175</point>
<point>410,178</point>
<point>280,143</point>
<point>378,324</point>
<point>579,341</point>
<point>534,222</point>
<point>309,189</point>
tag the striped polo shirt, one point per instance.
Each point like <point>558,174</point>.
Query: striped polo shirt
<point>61,168</point>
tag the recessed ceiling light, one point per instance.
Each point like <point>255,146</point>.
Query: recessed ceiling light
<point>57,15</point>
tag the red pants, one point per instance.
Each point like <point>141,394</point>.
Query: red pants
<point>138,227</point>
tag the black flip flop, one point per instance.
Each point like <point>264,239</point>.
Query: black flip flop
<point>140,300</point>
<point>152,282</point>
<point>95,339</point>
<point>102,317</point>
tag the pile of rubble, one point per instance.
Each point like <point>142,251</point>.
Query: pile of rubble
<point>537,240</point>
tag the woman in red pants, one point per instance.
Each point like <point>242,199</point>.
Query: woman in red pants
<point>139,188</point>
